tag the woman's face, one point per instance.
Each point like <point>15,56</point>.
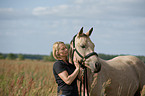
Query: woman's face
<point>63,51</point>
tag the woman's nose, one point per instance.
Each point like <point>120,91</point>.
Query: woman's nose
<point>66,49</point>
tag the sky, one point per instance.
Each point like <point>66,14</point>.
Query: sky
<point>33,26</point>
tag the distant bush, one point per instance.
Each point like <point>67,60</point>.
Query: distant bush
<point>1,56</point>
<point>142,58</point>
<point>11,56</point>
<point>106,57</point>
<point>68,46</point>
<point>20,57</point>
<point>45,58</point>
<point>49,58</point>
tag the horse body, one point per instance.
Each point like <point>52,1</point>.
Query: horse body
<point>127,73</point>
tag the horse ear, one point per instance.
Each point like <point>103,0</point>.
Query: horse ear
<point>89,32</point>
<point>81,32</point>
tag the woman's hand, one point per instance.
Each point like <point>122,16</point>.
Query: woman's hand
<point>76,63</point>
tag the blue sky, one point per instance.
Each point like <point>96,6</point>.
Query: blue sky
<point>32,26</point>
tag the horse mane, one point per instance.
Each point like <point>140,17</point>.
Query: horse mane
<point>70,52</point>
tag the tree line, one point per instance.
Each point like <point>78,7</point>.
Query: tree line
<point>12,56</point>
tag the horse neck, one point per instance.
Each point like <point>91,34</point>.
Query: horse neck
<point>92,77</point>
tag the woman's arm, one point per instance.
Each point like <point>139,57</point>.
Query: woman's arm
<point>68,79</point>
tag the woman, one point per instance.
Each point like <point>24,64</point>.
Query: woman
<point>65,73</point>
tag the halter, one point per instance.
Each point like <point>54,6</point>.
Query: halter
<point>81,62</point>
<point>83,58</point>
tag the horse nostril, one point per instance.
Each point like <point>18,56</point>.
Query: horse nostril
<point>98,67</point>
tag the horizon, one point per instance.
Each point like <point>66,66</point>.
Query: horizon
<point>50,54</point>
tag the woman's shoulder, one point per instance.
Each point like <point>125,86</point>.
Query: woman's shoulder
<point>58,66</point>
<point>58,63</point>
<point>62,63</point>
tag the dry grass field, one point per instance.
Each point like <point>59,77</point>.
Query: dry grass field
<point>28,78</point>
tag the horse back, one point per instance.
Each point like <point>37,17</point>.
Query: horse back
<point>135,64</point>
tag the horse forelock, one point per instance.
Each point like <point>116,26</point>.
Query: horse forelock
<point>84,40</point>
<point>83,35</point>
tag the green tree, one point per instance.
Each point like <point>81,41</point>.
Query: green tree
<point>11,56</point>
<point>142,58</point>
<point>45,58</point>
<point>49,58</point>
<point>1,56</point>
<point>68,46</point>
<point>106,56</point>
<point>20,57</point>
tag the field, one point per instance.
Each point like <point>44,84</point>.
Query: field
<point>26,78</point>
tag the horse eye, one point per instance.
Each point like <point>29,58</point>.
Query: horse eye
<point>83,46</point>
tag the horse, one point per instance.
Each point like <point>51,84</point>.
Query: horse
<point>120,76</point>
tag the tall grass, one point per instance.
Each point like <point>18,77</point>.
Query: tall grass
<point>31,78</point>
<point>26,78</point>
<point>143,91</point>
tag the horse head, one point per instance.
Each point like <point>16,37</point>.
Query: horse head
<point>82,50</point>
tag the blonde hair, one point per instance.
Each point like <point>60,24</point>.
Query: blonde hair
<point>56,49</point>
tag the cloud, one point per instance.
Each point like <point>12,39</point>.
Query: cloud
<point>49,10</point>
<point>16,14</point>
<point>5,10</point>
<point>95,9</point>
<point>81,9</point>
